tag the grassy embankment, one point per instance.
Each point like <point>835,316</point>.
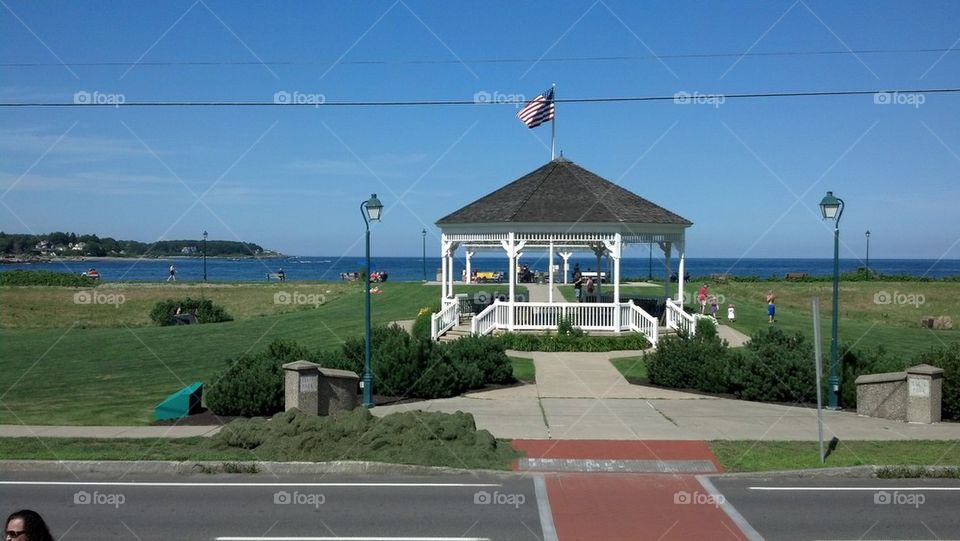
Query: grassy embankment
<point>64,365</point>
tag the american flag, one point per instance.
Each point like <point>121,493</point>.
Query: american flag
<point>538,110</point>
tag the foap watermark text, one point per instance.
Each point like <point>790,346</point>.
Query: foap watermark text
<point>899,299</point>
<point>298,298</point>
<point>98,498</point>
<point>89,296</point>
<point>696,98</point>
<point>498,498</point>
<point>282,97</point>
<point>84,97</point>
<point>299,498</point>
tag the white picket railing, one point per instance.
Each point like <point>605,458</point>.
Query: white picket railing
<point>486,321</point>
<point>445,319</point>
<point>679,320</point>
<point>638,320</point>
<point>542,316</point>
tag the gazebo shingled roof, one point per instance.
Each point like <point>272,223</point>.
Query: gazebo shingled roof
<point>558,191</point>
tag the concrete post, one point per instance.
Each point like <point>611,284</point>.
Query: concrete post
<point>924,394</point>
<point>302,386</point>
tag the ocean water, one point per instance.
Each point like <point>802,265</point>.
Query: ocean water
<point>412,268</point>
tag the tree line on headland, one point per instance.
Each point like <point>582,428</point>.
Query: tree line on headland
<point>60,244</point>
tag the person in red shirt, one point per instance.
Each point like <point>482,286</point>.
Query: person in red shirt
<point>702,297</point>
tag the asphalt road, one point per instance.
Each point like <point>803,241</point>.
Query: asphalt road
<point>482,506</point>
<point>793,508</point>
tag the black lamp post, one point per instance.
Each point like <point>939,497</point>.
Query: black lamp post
<point>832,209</point>
<point>370,210</point>
<point>423,234</point>
<point>868,254</point>
<point>204,256</point>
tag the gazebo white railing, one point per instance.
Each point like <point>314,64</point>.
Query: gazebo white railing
<point>541,316</point>
<point>445,319</point>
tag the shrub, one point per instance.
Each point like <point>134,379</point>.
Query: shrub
<point>253,385</point>
<point>774,367</point>
<point>947,358</point>
<point>576,341</point>
<point>44,278</point>
<point>854,363</point>
<point>421,326</point>
<point>484,352</point>
<point>690,362</point>
<point>203,309</point>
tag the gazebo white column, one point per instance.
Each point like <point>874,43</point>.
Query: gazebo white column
<point>680,272</point>
<point>566,264</point>
<point>667,252</point>
<point>444,247</point>
<point>469,253</point>
<point>513,249</point>
<point>614,248</point>
<point>550,275</point>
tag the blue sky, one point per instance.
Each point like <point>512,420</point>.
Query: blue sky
<point>748,173</point>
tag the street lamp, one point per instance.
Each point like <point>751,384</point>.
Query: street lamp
<point>868,254</point>
<point>370,210</point>
<point>832,209</point>
<point>204,256</point>
<point>423,234</point>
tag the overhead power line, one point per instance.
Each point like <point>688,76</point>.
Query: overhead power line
<point>679,97</point>
<point>427,61</point>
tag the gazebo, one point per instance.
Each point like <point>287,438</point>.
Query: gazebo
<point>561,208</point>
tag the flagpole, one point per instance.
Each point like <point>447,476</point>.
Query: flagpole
<point>553,126</point>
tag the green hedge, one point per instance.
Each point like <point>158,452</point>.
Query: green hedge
<point>948,358</point>
<point>573,342</point>
<point>204,309</point>
<point>44,278</point>
<point>252,385</point>
<point>403,366</point>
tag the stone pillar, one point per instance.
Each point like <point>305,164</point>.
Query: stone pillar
<point>301,387</point>
<point>924,394</point>
<point>338,391</point>
<point>469,253</point>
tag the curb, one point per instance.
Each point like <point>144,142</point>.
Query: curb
<point>855,472</point>
<point>190,467</point>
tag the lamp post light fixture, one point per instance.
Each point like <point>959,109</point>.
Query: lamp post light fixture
<point>832,209</point>
<point>868,254</point>
<point>423,234</point>
<point>370,210</point>
<point>204,256</point>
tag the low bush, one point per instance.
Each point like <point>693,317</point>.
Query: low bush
<point>577,341</point>
<point>855,363</point>
<point>252,385</point>
<point>774,367</point>
<point>947,358</point>
<point>421,326</point>
<point>486,353</point>
<point>691,362</point>
<point>45,278</point>
<point>204,309</point>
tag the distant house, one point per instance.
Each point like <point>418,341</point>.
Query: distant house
<point>79,247</point>
<point>187,250</point>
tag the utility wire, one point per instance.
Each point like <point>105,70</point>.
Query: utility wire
<point>616,58</point>
<point>680,96</point>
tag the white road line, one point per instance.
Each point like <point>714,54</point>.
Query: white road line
<point>543,506</point>
<point>851,489</point>
<point>352,539</point>
<point>244,485</point>
<point>730,510</point>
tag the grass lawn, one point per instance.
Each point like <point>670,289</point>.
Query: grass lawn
<point>634,369</point>
<point>745,456</point>
<point>524,369</point>
<point>115,376</point>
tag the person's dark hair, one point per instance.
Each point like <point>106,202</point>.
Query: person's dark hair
<point>33,525</point>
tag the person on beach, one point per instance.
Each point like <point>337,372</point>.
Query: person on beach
<point>173,274</point>
<point>282,276</point>
<point>771,306</point>
<point>26,525</point>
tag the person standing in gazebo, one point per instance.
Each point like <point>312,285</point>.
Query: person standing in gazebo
<point>578,285</point>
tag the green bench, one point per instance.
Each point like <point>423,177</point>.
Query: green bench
<point>184,402</point>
